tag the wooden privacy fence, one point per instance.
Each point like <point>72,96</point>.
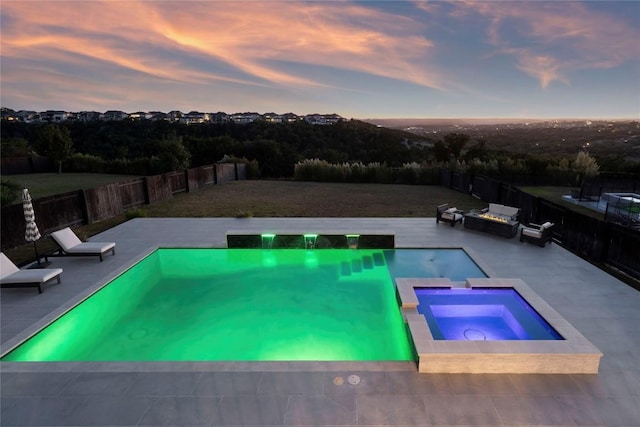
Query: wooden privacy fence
<point>100,203</point>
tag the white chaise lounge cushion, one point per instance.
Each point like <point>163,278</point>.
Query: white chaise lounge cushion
<point>71,244</point>
<point>10,273</point>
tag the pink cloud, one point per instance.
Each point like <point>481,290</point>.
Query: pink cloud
<point>554,39</point>
<point>255,45</point>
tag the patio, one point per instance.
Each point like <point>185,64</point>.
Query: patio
<point>602,308</point>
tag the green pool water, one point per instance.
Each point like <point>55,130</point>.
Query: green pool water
<point>234,305</point>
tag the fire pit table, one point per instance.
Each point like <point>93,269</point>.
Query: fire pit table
<point>490,223</point>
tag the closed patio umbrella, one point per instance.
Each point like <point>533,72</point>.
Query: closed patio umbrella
<point>31,233</point>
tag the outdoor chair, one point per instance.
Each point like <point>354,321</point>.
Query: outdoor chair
<point>12,277</point>
<point>537,234</point>
<point>451,215</point>
<point>70,245</point>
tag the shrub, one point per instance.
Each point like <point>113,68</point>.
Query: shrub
<point>87,163</point>
<point>135,213</point>
<point>9,192</point>
<point>379,173</point>
<point>244,214</point>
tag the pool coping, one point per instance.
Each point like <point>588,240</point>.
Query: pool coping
<point>572,355</point>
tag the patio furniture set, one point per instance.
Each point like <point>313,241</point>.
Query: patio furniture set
<point>496,219</point>
<point>68,245</point>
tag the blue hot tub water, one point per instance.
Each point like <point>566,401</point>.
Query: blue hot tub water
<point>490,314</point>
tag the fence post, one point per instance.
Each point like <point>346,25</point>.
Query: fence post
<point>85,208</point>
<point>147,197</point>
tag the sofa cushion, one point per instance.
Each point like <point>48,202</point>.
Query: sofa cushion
<point>545,225</point>
<point>509,211</point>
<point>531,232</point>
<point>451,216</point>
<point>495,208</point>
<point>451,210</point>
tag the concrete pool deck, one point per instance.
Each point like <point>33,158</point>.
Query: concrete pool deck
<point>604,309</point>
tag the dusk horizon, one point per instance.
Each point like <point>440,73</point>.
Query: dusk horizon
<point>488,119</point>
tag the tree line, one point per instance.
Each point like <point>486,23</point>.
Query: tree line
<point>147,147</point>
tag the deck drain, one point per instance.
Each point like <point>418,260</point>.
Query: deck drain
<point>353,379</point>
<point>474,335</point>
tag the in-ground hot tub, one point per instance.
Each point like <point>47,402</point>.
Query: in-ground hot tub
<point>481,314</point>
<point>490,326</point>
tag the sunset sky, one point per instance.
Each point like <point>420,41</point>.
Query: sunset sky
<point>396,59</point>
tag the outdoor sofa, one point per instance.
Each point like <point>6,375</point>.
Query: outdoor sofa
<point>506,212</point>
<point>12,277</point>
<point>70,245</point>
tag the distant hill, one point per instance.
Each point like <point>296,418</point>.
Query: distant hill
<point>545,138</point>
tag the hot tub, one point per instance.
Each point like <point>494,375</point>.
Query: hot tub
<point>462,328</point>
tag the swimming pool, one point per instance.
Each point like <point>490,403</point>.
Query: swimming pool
<point>246,305</point>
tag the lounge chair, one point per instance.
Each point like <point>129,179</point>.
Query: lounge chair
<point>70,245</point>
<point>12,277</point>
<point>451,215</point>
<point>537,234</point>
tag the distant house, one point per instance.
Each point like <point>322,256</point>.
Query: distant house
<point>174,116</point>
<point>114,115</point>
<point>8,115</point>
<point>219,117</point>
<point>28,116</point>
<point>88,116</point>
<point>273,118</point>
<point>158,115</point>
<point>322,119</point>
<point>194,117</point>
<point>242,118</point>
<point>290,118</point>
<point>54,116</point>
<point>140,115</point>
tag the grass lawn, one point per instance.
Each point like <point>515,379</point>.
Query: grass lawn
<point>311,199</point>
<point>554,194</point>
<point>48,184</point>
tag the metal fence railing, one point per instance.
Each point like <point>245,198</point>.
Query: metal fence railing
<point>613,241</point>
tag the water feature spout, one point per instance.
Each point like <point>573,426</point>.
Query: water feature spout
<point>310,241</point>
<point>267,240</point>
<point>352,240</point>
